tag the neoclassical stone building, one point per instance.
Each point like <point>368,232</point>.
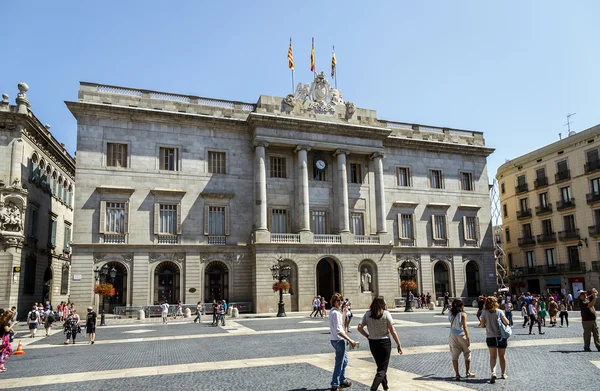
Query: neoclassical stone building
<point>37,177</point>
<point>194,199</point>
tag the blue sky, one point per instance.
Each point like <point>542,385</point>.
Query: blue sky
<point>512,69</point>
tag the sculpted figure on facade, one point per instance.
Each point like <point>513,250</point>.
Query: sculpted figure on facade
<point>302,92</point>
<point>288,103</point>
<point>10,218</point>
<point>365,280</point>
<point>336,97</point>
<point>350,109</point>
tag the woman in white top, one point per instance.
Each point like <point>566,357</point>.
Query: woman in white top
<point>380,325</point>
<point>459,337</point>
<point>496,344</point>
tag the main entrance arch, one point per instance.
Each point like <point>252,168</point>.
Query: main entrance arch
<point>473,285</point>
<point>166,282</point>
<point>328,278</point>
<point>442,278</point>
<point>216,282</point>
<point>120,284</point>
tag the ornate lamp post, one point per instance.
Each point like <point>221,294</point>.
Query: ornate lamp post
<point>407,271</point>
<point>280,272</point>
<point>102,275</point>
<point>516,274</point>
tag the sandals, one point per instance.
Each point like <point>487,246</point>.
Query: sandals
<point>458,377</point>
<point>470,374</point>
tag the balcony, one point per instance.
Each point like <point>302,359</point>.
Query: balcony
<point>594,231</point>
<point>532,270</point>
<point>547,238</point>
<point>542,210</point>
<point>522,188</point>
<point>328,239</point>
<point>562,176</point>
<point>540,182</point>
<point>218,240</point>
<point>285,238</point>
<point>592,166</point>
<point>592,198</point>
<point>565,204</point>
<point>407,242</point>
<point>574,267</point>
<point>527,241</point>
<point>366,239</point>
<point>524,214</point>
<point>167,239</point>
<point>572,234</point>
<point>114,238</point>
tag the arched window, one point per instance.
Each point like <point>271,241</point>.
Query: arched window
<point>29,275</point>
<point>368,282</point>
<point>216,281</point>
<point>65,192</point>
<point>54,184</point>
<point>166,282</point>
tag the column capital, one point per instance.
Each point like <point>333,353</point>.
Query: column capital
<point>260,143</point>
<point>376,155</point>
<point>302,147</point>
<point>341,152</point>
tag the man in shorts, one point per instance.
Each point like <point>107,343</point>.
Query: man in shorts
<point>33,320</point>
<point>165,312</point>
<point>90,324</point>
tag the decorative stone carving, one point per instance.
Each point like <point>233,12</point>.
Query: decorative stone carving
<point>126,258</point>
<point>415,258</point>
<point>11,218</point>
<point>171,257</point>
<point>441,258</point>
<point>336,97</point>
<point>288,103</point>
<point>22,102</point>
<point>350,109</point>
<point>365,280</point>
<point>302,92</point>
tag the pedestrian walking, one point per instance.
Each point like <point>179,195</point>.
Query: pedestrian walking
<point>379,324</point>
<point>532,309</point>
<point>542,310</point>
<point>570,302</point>
<point>198,317</point>
<point>480,304</point>
<point>348,305</point>
<point>338,339</point>
<point>459,339</point>
<point>48,319</point>
<point>316,306</point>
<point>33,321</point>
<point>508,309</point>
<point>165,312</point>
<point>71,327</point>
<point>446,302</point>
<point>90,324</point>
<point>588,318</point>
<point>323,307</point>
<point>428,299</point>
<point>12,322</point>
<point>178,310</point>
<point>223,312</point>
<point>552,311</point>
<point>215,314</point>
<point>525,314</point>
<point>496,344</point>
<point>5,333</point>
<point>564,314</point>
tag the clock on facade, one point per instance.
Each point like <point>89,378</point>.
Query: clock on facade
<point>320,164</point>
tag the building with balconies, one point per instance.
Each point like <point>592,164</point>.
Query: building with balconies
<point>37,183</point>
<point>554,250</point>
<point>194,199</point>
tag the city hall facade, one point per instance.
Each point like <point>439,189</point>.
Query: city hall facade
<point>194,199</point>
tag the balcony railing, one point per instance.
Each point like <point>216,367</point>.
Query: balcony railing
<point>366,239</point>
<point>532,270</point>
<point>572,234</point>
<point>115,238</point>
<point>547,238</point>
<point>592,197</point>
<point>562,176</point>
<point>285,238</point>
<point>565,204</point>
<point>522,188</point>
<point>407,242</point>
<point>218,240</point>
<point>591,166</point>
<point>540,182</point>
<point>328,239</point>
<point>594,231</point>
<point>524,214</point>
<point>167,239</point>
<point>527,241</point>
<point>541,210</point>
<point>574,267</point>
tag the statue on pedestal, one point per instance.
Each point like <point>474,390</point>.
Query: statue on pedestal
<point>365,280</point>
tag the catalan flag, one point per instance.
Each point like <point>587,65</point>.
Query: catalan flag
<point>333,63</point>
<point>312,56</point>
<point>290,57</point>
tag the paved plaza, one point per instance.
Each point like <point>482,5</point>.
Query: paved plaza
<point>293,354</point>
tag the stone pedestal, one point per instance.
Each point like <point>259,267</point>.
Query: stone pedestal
<point>365,299</point>
<point>187,313</point>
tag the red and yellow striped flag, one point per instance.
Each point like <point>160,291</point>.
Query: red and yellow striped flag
<point>312,56</point>
<point>290,57</point>
<point>333,63</point>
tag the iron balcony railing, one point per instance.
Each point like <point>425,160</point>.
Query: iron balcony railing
<point>594,231</point>
<point>565,204</point>
<point>540,182</point>
<point>572,234</point>
<point>591,166</point>
<point>547,238</point>
<point>592,197</point>
<point>540,210</point>
<point>574,267</point>
<point>562,175</point>
<point>522,188</point>
<point>527,241</point>
<point>524,214</point>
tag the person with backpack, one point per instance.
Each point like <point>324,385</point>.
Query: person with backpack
<point>491,317</point>
<point>459,339</point>
<point>33,320</point>
<point>48,318</point>
<point>215,313</point>
<point>223,312</point>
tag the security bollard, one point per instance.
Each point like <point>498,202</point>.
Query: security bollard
<point>141,315</point>
<point>235,313</point>
<point>188,313</point>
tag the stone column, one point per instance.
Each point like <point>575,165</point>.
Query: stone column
<point>379,193</point>
<point>16,160</point>
<point>343,212</point>
<point>303,199</point>
<point>260,186</point>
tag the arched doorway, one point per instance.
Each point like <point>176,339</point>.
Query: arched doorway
<point>166,282</point>
<point>328,278</point>
<point>46,291</point>
<point>442,278</point>
<point>473,285</point>
<point>120,284</point>
<point>216,282</point>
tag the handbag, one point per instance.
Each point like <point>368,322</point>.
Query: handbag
<point>505,330</point>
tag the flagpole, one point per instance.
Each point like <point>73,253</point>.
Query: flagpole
<point>292,70</point>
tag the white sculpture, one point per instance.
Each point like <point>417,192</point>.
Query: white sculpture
<point>365,280</point>
<point>336,97</point>
<point>10,218</point>
<point>302,92</point>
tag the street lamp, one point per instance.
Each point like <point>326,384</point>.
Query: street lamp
<point>102,275</point>
<point>280,272</point>
<point>407,271</point>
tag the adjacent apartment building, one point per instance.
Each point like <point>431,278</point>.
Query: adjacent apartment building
<point>194,199</point>
<point>550,200</point>
<point>37,184</point>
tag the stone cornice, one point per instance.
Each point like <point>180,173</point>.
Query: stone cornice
<point>216,195</point>
<point>437,146</point>
<point>106,189</point>
<point>167,192</point>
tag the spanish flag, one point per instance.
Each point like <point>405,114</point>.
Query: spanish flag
<point>312,56</point>
<point>290,57</point>
<point>333,62</point>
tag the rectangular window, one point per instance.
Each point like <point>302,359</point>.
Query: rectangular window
<point>406,227</point>
<point>279,221</point>
<point>530,255</point>
<point>216,162</point>
<point>592,156</point>
<point>404,176</point>
<point>521,180</point>
<point>550,258</point>
<point>504,210</point>
<point>540,174</point>
<point>507,235</point>
<point>278,167</point>
<point>597,216</point>
<point>543,197</point>
<point>52,233</point>
<point>470,223</point>
<point>569,223</point>
<point>573,255</point>
<point>466,181</point>
<point>526,228</point>
<point>216,220</point>
<point>33,224</point>
<point>357,225</point>
<point>355,173</point>
<point>502,189</point>
<point>510,261</point>
<point>524,203</point>
<point>116,155</point>
<point>435,179</point>
<point>318,222</point>
<point>167,224</point>
<point>115,218</point>
<point>439,227</point>
<point>595,186</point>
<point>547,227</point>
<point>168,159</point>
<point>562,166</point>
<point>67,242</point>
<point>565,194</point>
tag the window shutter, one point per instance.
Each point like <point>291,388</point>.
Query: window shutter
<point>206,221</point>
<point>178,219</point>
<point>227,221</point>
<point>156,218</point>
<point>126,219</point>
<point>399,225</point>
<point>433,236</point>
<point>465,230</point>
<point>102,217</point>
<point>477,231</point>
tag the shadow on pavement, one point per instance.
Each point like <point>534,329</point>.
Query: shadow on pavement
<point>453,380</point>
<point>567,351</point>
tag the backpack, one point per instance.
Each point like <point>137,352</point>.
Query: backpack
<point>33,315</point>
<point>505,330</point>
